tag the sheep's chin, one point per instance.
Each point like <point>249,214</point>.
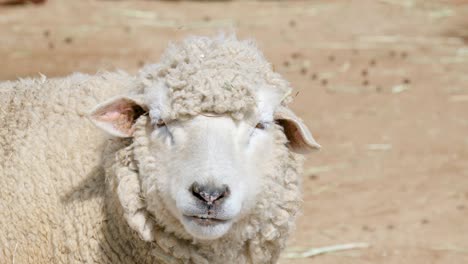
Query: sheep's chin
<point>206,229</point>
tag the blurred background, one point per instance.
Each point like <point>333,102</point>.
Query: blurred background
<point>382,84</point>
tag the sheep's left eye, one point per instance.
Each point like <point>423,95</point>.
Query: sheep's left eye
<point>260,126</point>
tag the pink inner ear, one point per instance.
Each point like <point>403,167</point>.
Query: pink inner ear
<point>109,116</point>
<point>119,114</point>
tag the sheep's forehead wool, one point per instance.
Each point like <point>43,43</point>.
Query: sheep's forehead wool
<point>219,75</point>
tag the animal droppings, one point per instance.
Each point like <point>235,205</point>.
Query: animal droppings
<point>295,55</point>
<point>68,40</point>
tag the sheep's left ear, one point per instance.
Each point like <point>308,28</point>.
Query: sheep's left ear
<point>117,116</point>
<point>299,136</point>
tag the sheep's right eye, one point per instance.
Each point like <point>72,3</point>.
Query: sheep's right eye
<point>160,123</point>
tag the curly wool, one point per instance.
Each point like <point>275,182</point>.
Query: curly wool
<point>64,200</point>
<point>52,195</point>
<point>215,75</point>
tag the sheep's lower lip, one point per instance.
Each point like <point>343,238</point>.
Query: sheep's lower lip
<point>205,221</point>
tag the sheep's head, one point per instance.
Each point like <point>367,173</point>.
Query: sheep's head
<point>206,139</point>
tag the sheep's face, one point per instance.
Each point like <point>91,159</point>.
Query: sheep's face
<point>207,169</point>
<point>210,169</point>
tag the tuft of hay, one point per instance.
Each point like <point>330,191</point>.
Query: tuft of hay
<point>323,250</point>
<point>399,88</point>
<point>379,147</point>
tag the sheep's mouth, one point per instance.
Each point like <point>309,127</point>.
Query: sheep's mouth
<point>205,220</point>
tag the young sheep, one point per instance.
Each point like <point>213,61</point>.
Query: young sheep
<point>201,167</point>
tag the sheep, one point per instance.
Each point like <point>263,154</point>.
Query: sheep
<point>197,159</point>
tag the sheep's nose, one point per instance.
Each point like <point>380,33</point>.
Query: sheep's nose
<point>208,193</point>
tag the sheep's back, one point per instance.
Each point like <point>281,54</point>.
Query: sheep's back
<point>51,181</point>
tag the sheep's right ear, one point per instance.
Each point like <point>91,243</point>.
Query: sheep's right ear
<point>118,116</point>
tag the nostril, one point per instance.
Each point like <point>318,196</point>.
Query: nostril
<point>226,191</point>
<point>208,193</point>
<point>196,190</point>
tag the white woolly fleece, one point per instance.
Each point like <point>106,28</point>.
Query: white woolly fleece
<point>66,188</point>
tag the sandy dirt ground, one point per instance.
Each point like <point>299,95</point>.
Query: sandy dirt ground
<point>383,85</point>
